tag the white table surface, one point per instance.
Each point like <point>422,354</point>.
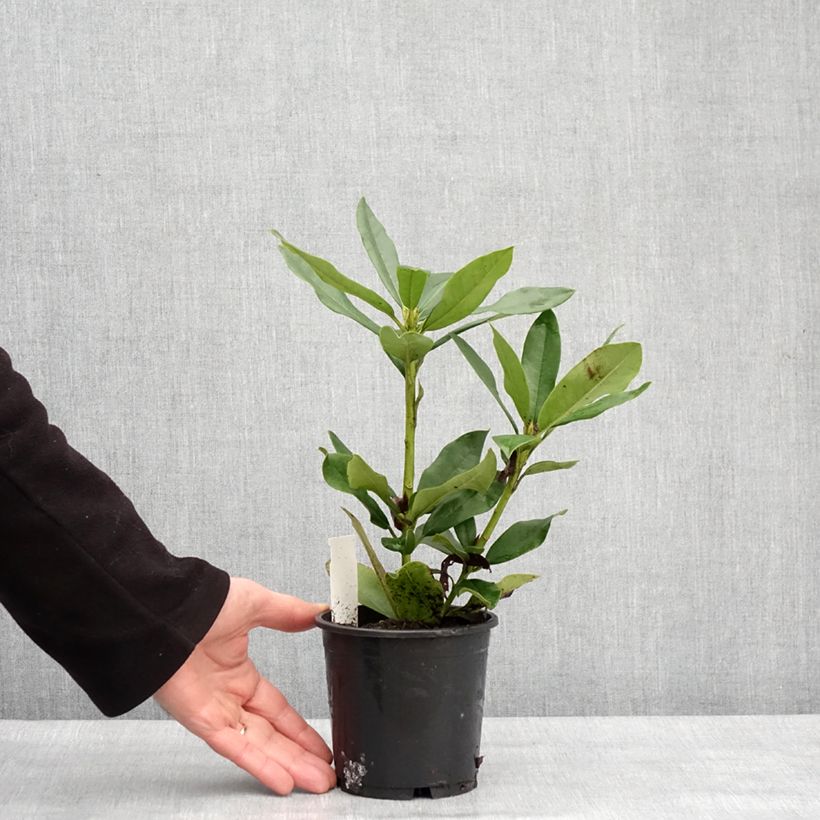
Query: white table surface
<point>594,767</point>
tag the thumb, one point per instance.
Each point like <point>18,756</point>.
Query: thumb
<point>286,613</point>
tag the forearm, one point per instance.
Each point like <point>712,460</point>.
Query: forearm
<point>79,570</point>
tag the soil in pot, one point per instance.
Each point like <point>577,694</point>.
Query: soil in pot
<point>406,705</point>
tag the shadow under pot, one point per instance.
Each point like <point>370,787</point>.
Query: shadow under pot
<point>406,706</point>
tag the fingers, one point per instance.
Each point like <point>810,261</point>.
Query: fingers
<point>272,758</point>
<point>272,705</point>
<point>239,750</point>
<point>286,613</point>
<point>308,771</point>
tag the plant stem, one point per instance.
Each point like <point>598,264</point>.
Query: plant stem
<point>410,408</point>
<point>465,571</point>
<point>506,494</point>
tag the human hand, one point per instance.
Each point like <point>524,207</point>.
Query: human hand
<point>218,690</point>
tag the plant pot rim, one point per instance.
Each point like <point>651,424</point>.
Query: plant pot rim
<point>322,620</point>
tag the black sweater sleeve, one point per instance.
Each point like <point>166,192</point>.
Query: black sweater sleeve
<point>79,570</point>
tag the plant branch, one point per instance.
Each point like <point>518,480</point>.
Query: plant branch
<point>410,414</point>
<point>465,571</point>
<point>509,488</point>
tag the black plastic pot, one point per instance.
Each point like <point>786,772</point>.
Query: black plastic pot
<point>406,706</point>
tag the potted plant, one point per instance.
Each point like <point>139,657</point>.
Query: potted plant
<point>406,685</point>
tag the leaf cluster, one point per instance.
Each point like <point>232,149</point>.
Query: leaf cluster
<point>459,499</point>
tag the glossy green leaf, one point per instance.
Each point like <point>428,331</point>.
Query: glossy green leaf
<point>329,296</point>
<point>330,276</point>
<point>416,595</point>
<point>484,373</point>
<point>509,444</point>
<point>407,347</point>
<point>528,300</point>
<point>547,467</point>
<point>379,247</point>
<point>334,471</point>
<point>605,403</point>
<point>371,593</point>
<point>411,284</point>
<point>509,583</point>
<point>431,294</point>
<point>362,476</point>
<point>520,538</point>
<point>485,592</point>
<point>541,358</point>
<point>467,288</point>
<point>460,506</point>
<point>459,455</point>
<point>476,478</point>
<point>466,532</point>
<point>607,369</point>
<point>515,381</point>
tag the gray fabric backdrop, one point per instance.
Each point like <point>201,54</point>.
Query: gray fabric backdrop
<point>659,157</point>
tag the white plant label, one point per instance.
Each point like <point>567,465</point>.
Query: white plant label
<point>344,580</point>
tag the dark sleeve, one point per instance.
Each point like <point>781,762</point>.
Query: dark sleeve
<point>79,570</point>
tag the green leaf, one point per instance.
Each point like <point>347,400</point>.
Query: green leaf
<point>528,300</point>
<point>541,358</point>
<point>432,291</point>
<point>612,335</point>
<point>362,476</point>
<point>398,363</point>
<point>460,506</point>
<point>521,537</point>
<point>329,296</point>
<point>509,583</point>
<point>443,542</point>
<point>476,478</point>
<point>416,595</point>
<point>454,334</point>
<point>598,407</point>
<point>411,285</point>
<point>607,369</point>
<point>379,247</point>
<point>466,532</point>
<point>509,444</point>
<point>330,276</point>
<point>515,381</point>
<point>404,543</point>
<point>484,373</point>
<point>371,593</point>
<point>371,553</point>
<point>547,467</point>
<point>334,471</point>
<point>377,517</point>
<point>407,347</point>
<point>485,592</point>
<point>459,455</point>
<point>467,288</point>
<point>338,445</point>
